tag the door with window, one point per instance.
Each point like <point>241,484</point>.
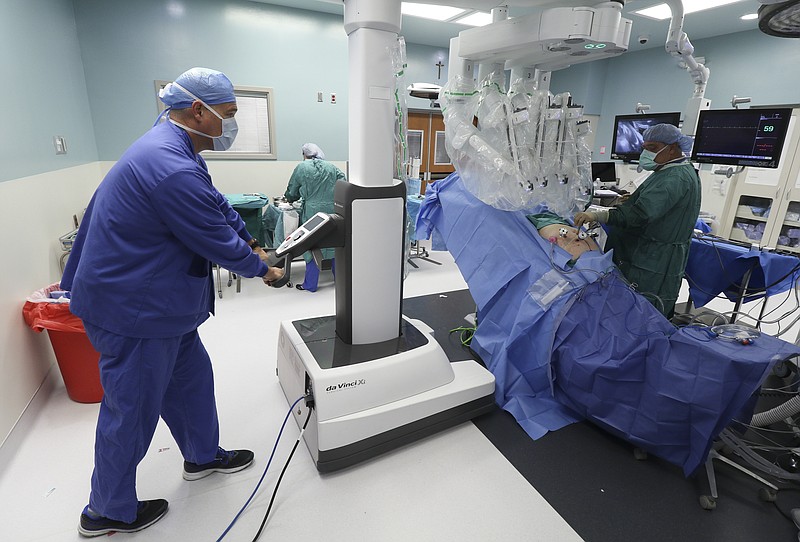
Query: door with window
<point>426,142</point>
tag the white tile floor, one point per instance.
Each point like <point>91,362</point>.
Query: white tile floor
<point>453,486</point>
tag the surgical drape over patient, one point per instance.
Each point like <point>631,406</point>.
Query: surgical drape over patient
<point>567,342</point>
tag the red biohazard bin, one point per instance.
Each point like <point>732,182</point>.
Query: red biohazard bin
<point>77,359</point>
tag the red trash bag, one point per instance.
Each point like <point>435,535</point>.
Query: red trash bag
<point>77,359</point>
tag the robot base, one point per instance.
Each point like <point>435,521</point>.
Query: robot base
<point>369,399</point>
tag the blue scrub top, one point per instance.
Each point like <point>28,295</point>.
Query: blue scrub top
<point>140,265</point>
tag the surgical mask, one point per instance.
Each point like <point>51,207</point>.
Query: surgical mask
<point>230,128</point>
<point>647,160</point>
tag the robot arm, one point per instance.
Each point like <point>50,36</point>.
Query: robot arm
<point>679,46</point>
<point>553,39</point>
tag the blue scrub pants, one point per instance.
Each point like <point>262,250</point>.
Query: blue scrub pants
<point>311,278</point>
<point>143,379</point>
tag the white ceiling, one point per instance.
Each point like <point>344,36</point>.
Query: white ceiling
<point>706,24</point>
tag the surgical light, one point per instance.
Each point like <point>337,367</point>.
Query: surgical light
<point>662,11</point>
<point>781,20</point>
<point>430,11</point>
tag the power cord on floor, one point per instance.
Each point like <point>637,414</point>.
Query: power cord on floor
<point>278,483</point>
<point>277,440</point>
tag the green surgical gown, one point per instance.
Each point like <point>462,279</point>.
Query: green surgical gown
<point>651,232</point>
<point>313,181</point>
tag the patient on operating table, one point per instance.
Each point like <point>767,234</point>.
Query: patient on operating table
<point>558,231</point>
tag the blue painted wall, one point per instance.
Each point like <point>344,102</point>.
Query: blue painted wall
<point>586,82</point>
<point>745,64</point>
<point>128,45</point>
<point>88,73</point>
<point>43,89</point>
<point>422,68</point>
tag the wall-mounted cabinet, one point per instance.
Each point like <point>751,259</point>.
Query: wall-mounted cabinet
<point>763,205</point>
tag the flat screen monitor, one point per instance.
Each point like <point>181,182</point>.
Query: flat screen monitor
<point>628,130</point>
<point>605,172</point>
<point>741,137</point>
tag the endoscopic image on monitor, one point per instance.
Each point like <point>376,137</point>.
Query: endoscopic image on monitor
<point>628,130</point>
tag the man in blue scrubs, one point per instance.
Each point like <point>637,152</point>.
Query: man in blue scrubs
<point>140,277</point>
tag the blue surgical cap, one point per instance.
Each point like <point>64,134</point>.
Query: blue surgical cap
<point>312,151</point>
<point>211,86</point>
<point>668,134</point>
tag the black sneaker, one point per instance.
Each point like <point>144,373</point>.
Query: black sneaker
<point>226,462</point>
<point>148,513</point>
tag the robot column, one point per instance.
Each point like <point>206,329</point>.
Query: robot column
<point>370,266</point>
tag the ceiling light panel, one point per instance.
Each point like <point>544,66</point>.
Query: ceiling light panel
<point>662,11</point>
<point>478,18</point>
<point>430,11</point>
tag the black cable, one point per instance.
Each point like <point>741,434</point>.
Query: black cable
<point>269,462</point>
<point>754,291</point>
<point>794,270</point>
<point>278,483</point>
<point>621,282</point>
<point>697,287</point>
<point>775,502</point>
<point>719,295</point>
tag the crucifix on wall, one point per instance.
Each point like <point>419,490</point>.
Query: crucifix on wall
<point>439,65</point>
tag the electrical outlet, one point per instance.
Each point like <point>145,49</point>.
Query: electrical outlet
<point>333,97</point>
<point>60,143</point>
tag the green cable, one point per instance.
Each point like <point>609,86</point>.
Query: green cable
<point>466,334</point>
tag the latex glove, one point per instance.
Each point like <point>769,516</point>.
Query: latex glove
<point>586,217</point>
<point>583,218</point>
<point>273,274</point>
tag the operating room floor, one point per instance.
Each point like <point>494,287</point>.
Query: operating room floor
<point>452,486</point>
<point>481,481</point>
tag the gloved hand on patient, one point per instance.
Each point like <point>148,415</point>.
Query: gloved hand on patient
<point>588,217</point>
<point>558,231</point>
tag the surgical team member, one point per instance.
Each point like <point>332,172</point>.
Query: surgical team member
<point>651,231</point>
<point>140,276</point>
<point>313,180</point>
